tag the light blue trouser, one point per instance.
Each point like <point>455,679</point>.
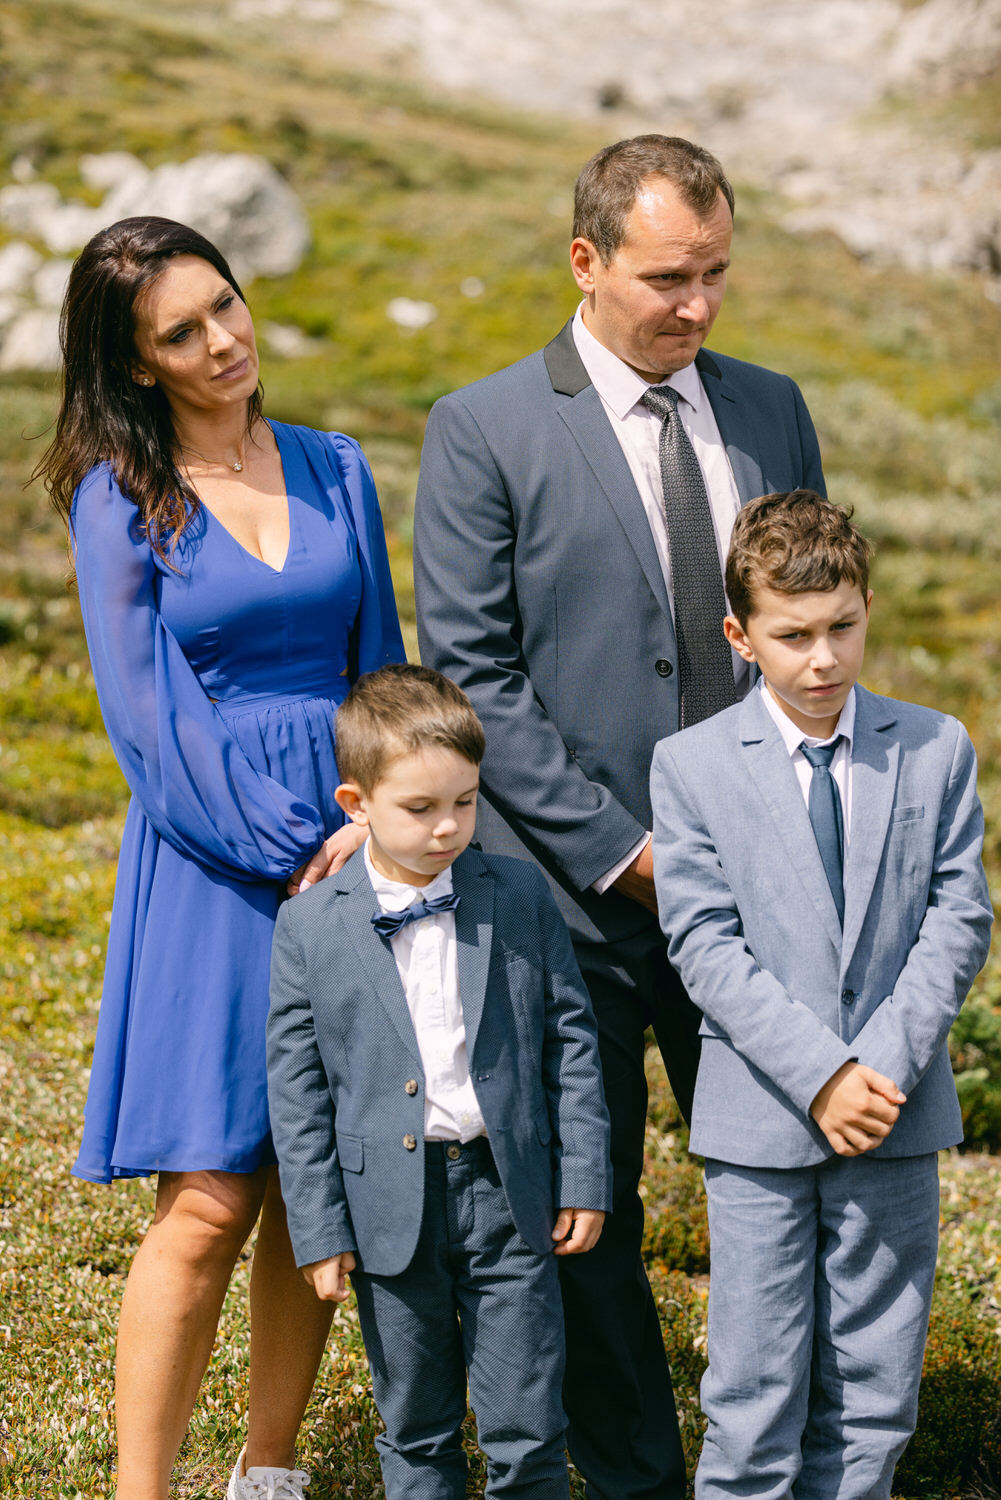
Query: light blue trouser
<point>819,1293</point>
<point>474,1298</point>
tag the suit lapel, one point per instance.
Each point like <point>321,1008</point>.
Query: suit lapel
<point>771,769</point>
<point>355,907</point>
<point>737,428</point>
<point>875,762</point>
<point>585,416</point>
<point>474,885</point>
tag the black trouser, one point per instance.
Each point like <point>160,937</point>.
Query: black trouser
<point>623,1429</point>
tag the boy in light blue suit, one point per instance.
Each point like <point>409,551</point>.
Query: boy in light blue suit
<point>436,1101</point>
<point>817,857</point>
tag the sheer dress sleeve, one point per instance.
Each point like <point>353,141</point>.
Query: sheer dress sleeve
<point>190,777</point>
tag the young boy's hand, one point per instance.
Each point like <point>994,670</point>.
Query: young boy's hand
<point>857,1108</point>
<point>327,1277</point>
<point>577,1230</point>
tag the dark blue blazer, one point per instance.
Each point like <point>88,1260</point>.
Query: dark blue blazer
<point>539,591</point>
<point>343,1061</point>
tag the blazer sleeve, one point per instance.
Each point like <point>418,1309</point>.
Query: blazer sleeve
<point>184,768</point>
<point>705,942</point>
<point>907,1030</point>
<point>572,1071</point>
<point>469,626</point>
<point>302,1110</point>
<point>813,473</point>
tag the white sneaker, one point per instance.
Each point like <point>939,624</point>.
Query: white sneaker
<point>265,1484</point>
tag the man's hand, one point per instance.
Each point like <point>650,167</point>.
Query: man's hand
<point>636,880</point>
<point>331,856</point>
<point>577,1230</point>
<point>327,1277</point>
<point>857,1108</point>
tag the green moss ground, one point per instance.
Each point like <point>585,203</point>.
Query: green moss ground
<point>408,195</point>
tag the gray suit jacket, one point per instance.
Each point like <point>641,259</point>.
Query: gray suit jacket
<point>342,1050</point>
<point>752,928</point>
<point>539,591</point>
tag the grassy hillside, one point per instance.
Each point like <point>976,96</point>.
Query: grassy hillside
<point>408,195</point>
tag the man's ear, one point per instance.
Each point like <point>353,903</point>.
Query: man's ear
<point>737,636</point>
<point>351,800</point>
<point>583,258</point>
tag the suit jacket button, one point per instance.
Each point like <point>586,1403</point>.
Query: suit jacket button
<point>410,1141</point>
<point>453,1152</point>
<point>410,1087</point>
<point>663,667</point>
<point>848,996</point>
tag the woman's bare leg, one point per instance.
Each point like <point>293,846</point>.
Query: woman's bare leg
<point>288,1332</point>
<point>170,1310</point>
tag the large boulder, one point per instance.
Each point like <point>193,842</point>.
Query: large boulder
<point>239,202</point>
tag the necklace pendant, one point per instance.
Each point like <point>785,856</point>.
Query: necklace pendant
<point>238,467</point>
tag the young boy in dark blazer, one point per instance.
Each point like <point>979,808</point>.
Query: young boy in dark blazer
<point>436,1101</point>
<point>817,858</point>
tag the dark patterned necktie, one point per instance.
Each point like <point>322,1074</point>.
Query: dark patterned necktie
<point>705,665</point>
<point>388,923</point>
<point>828,821</point>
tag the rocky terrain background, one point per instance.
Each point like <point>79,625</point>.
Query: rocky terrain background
<point>879,120</point>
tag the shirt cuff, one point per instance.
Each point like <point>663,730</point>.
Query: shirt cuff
<point>609,878</point>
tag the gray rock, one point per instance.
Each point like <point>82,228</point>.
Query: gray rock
<point>49,284</point>
<point>238,202</point>
<point>31,341</point>
<point>18,264</point>
<point>408,313</point>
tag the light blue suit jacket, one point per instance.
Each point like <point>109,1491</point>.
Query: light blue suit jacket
<point>539,591</point>
<point>342,1051</point>
<point>752,927</point>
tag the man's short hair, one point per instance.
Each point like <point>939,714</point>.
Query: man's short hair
<point>795,543</point>
<point>400,710</point>
<point>607,187</point>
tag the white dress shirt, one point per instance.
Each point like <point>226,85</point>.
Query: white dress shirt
<point>427,961</point>
<point>841,763</point>
<point>637,430</point>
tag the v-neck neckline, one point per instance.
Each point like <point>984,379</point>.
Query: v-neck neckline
<point>246,550</point>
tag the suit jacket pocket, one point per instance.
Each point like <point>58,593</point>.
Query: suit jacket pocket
<point>351,1153</point>
<point>907,814</point>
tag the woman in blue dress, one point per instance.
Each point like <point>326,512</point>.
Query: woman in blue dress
<point>233,581</point>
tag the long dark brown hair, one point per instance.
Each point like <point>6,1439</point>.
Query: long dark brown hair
<point>104,414</point>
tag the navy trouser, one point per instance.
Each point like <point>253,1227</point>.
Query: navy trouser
<point>474,1299</point>
<point>623,1429</point>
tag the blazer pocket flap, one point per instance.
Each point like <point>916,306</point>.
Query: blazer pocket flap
<point>350,1153</point>
<point>907,814</point>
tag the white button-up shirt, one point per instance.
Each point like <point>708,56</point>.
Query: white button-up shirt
<point>841,763</point>
<point>427,961</point>
<point>637,430</point>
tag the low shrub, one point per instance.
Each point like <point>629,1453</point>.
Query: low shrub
<point>956,1449</point>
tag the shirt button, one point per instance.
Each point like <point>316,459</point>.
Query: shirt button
<point>848,996</point>
<point>453,1152</point>
<point>410,1087</point>
<point>663,667</point>
<point>410,1141</point>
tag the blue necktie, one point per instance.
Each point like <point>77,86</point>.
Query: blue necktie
<point>824,807</point>
<point>388,923</point>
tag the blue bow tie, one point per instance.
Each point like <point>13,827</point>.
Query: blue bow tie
<point>388,923</point>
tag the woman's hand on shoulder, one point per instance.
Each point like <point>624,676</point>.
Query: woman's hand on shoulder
<point>331,856</point>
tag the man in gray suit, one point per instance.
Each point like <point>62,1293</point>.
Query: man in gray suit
<point>572,514</point>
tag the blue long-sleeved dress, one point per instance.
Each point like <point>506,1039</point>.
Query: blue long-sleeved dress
<point>218,683</point>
